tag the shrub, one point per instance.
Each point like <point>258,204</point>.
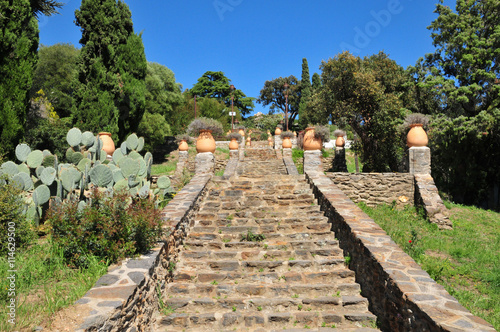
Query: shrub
<point>322,133</point>
<point>111,227</point>
<point>199,124</point>
<point>155,129</point>
<point>286,134</point>
<point>12,220</point>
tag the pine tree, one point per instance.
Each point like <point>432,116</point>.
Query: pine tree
<point>316,82</point>
<point>110,88</point>
<point>305,93</point>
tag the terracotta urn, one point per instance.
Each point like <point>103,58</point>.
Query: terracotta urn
<point>340,142</point>
<point>107,143</point>
<point>277,131</point>
<point>417,136</point>
<point>205,142</point>
<point>183,145</point>
<point>310,142</point>
<point>241,132</point>
<point>287,143</point>
<point>249,141</point>
<point>269,138</point>
<point>294,134</point>
<point>233,145</point>
<point>271,143</point>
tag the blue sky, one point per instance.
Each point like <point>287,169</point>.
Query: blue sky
<point>252,41</point>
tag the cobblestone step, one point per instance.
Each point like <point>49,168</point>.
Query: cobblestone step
<point>261,254</point>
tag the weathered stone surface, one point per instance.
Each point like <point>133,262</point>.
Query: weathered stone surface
<point>420,160</point>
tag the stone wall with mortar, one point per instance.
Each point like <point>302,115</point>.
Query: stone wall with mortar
<point>376,188</point>
<point>126,297</point>
<point>402,295</point>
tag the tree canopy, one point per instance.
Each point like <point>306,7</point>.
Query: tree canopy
<point>215,84</point>
<point>110,88</point>
<point>273,93</point>
<point>305,93</point>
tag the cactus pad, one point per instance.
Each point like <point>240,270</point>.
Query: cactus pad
<point>9,168</point>
<point>143,170</point>
<point>39,170</point>
<point>133,181</point>
<point>41,195</point>
<point>74,137</point>
<point>135,155</point>
<point>163,182</point>
<point>76,158</point>
<point>121,185</point>
<point>69,153</point>
<point>82,163</point>
<point>81,206</point>
<point>101,176</point>
<point>129,166</point>
<point>140,144</point>
<point>123,148</point>
<point>22,181</point>
<point>117,155</point>
<point>48,176</point>
<point>49,161</point>
<point>132,142</point>
<point>22,152</point>
<point>23,168</point>
<point>35,159</point>
<point>117,175</point>
<point>46,153</point>
<point>88,139</point>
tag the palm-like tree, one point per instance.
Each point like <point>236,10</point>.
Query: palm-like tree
<point>45,7</point>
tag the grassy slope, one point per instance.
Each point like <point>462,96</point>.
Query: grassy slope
<point>465,260</point>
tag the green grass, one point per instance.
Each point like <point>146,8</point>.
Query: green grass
<point>297,154</point>
<point>167,168</point>
<point>351,165</point>
<point>465,260</point>
<point>44,285</point>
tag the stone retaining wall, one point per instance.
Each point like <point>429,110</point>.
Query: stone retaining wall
<point>401,294</point>
<point>126,298</point>
<point>376,188</point>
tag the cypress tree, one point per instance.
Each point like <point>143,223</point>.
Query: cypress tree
<point>18,56</point>
<point>110,87</point>
<point>305,93</point>
<point>316,82</point>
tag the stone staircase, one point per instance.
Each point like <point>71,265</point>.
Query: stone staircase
<point>261,256</point>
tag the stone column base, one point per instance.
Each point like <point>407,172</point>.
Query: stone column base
<point>277,142</point>
<point>312,161</point>
<point>233,154</point>
<point>339,164</point>
<point>420,160</point>
<point>204,163</point>
<point>182,162</point>
<point>287,153</point>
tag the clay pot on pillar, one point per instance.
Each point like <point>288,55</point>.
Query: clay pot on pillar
<point>271,143</point>
<point>183,145</point>
<point>233,145</point>
<point>287,143</point>
<point>417,136</point>
<point>107,143</point>
<point>277,131</point>
<point>205,142</point>
<point>241,132</point>
<point>249,141</point>
<point>340,142</point>
<point>310,141</point>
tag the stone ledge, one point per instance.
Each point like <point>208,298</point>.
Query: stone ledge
<point>125,298</point>
<point>290,166</point>
<point>401,294</point>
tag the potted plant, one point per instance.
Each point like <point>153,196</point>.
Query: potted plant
<point>182,140</point>
<point>235,138</point>
<point>416,136</point>
<point>203,128</point>
<point>286,136</point>
<point>314,137</point>
<point>339,142</point>
<point>107,143</point>
<point>278,130</point>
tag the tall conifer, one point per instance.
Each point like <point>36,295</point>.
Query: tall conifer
<point>110,88</point>
<point>305,93</point>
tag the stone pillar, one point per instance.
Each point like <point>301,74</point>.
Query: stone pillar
<point>277,142</point>
<point>287,153</point>
<point>312,161</point>
<point>339,164</point>
<point>420,160</point>
<point>234,154</point>
<point>294,142</point>
<point>181,163</point>
<point>204,163</point>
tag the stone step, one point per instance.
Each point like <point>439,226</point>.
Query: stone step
<point>271,239</point>
<point>275,245</point>
<point>270,290</point>
<point>261,254</point>
<point>267,230</point>
<point>260,320</point>
<point>214,220</point>
<point>225,302</point>
<point>280,266</point>
<point>339,275</point>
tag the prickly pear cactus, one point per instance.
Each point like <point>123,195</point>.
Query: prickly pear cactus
<point>101,176</point>
<point>9,168</point>
<point>132,142</point>
<point>22,152</point>
<point>35,159</point>
<point>74,137</point>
